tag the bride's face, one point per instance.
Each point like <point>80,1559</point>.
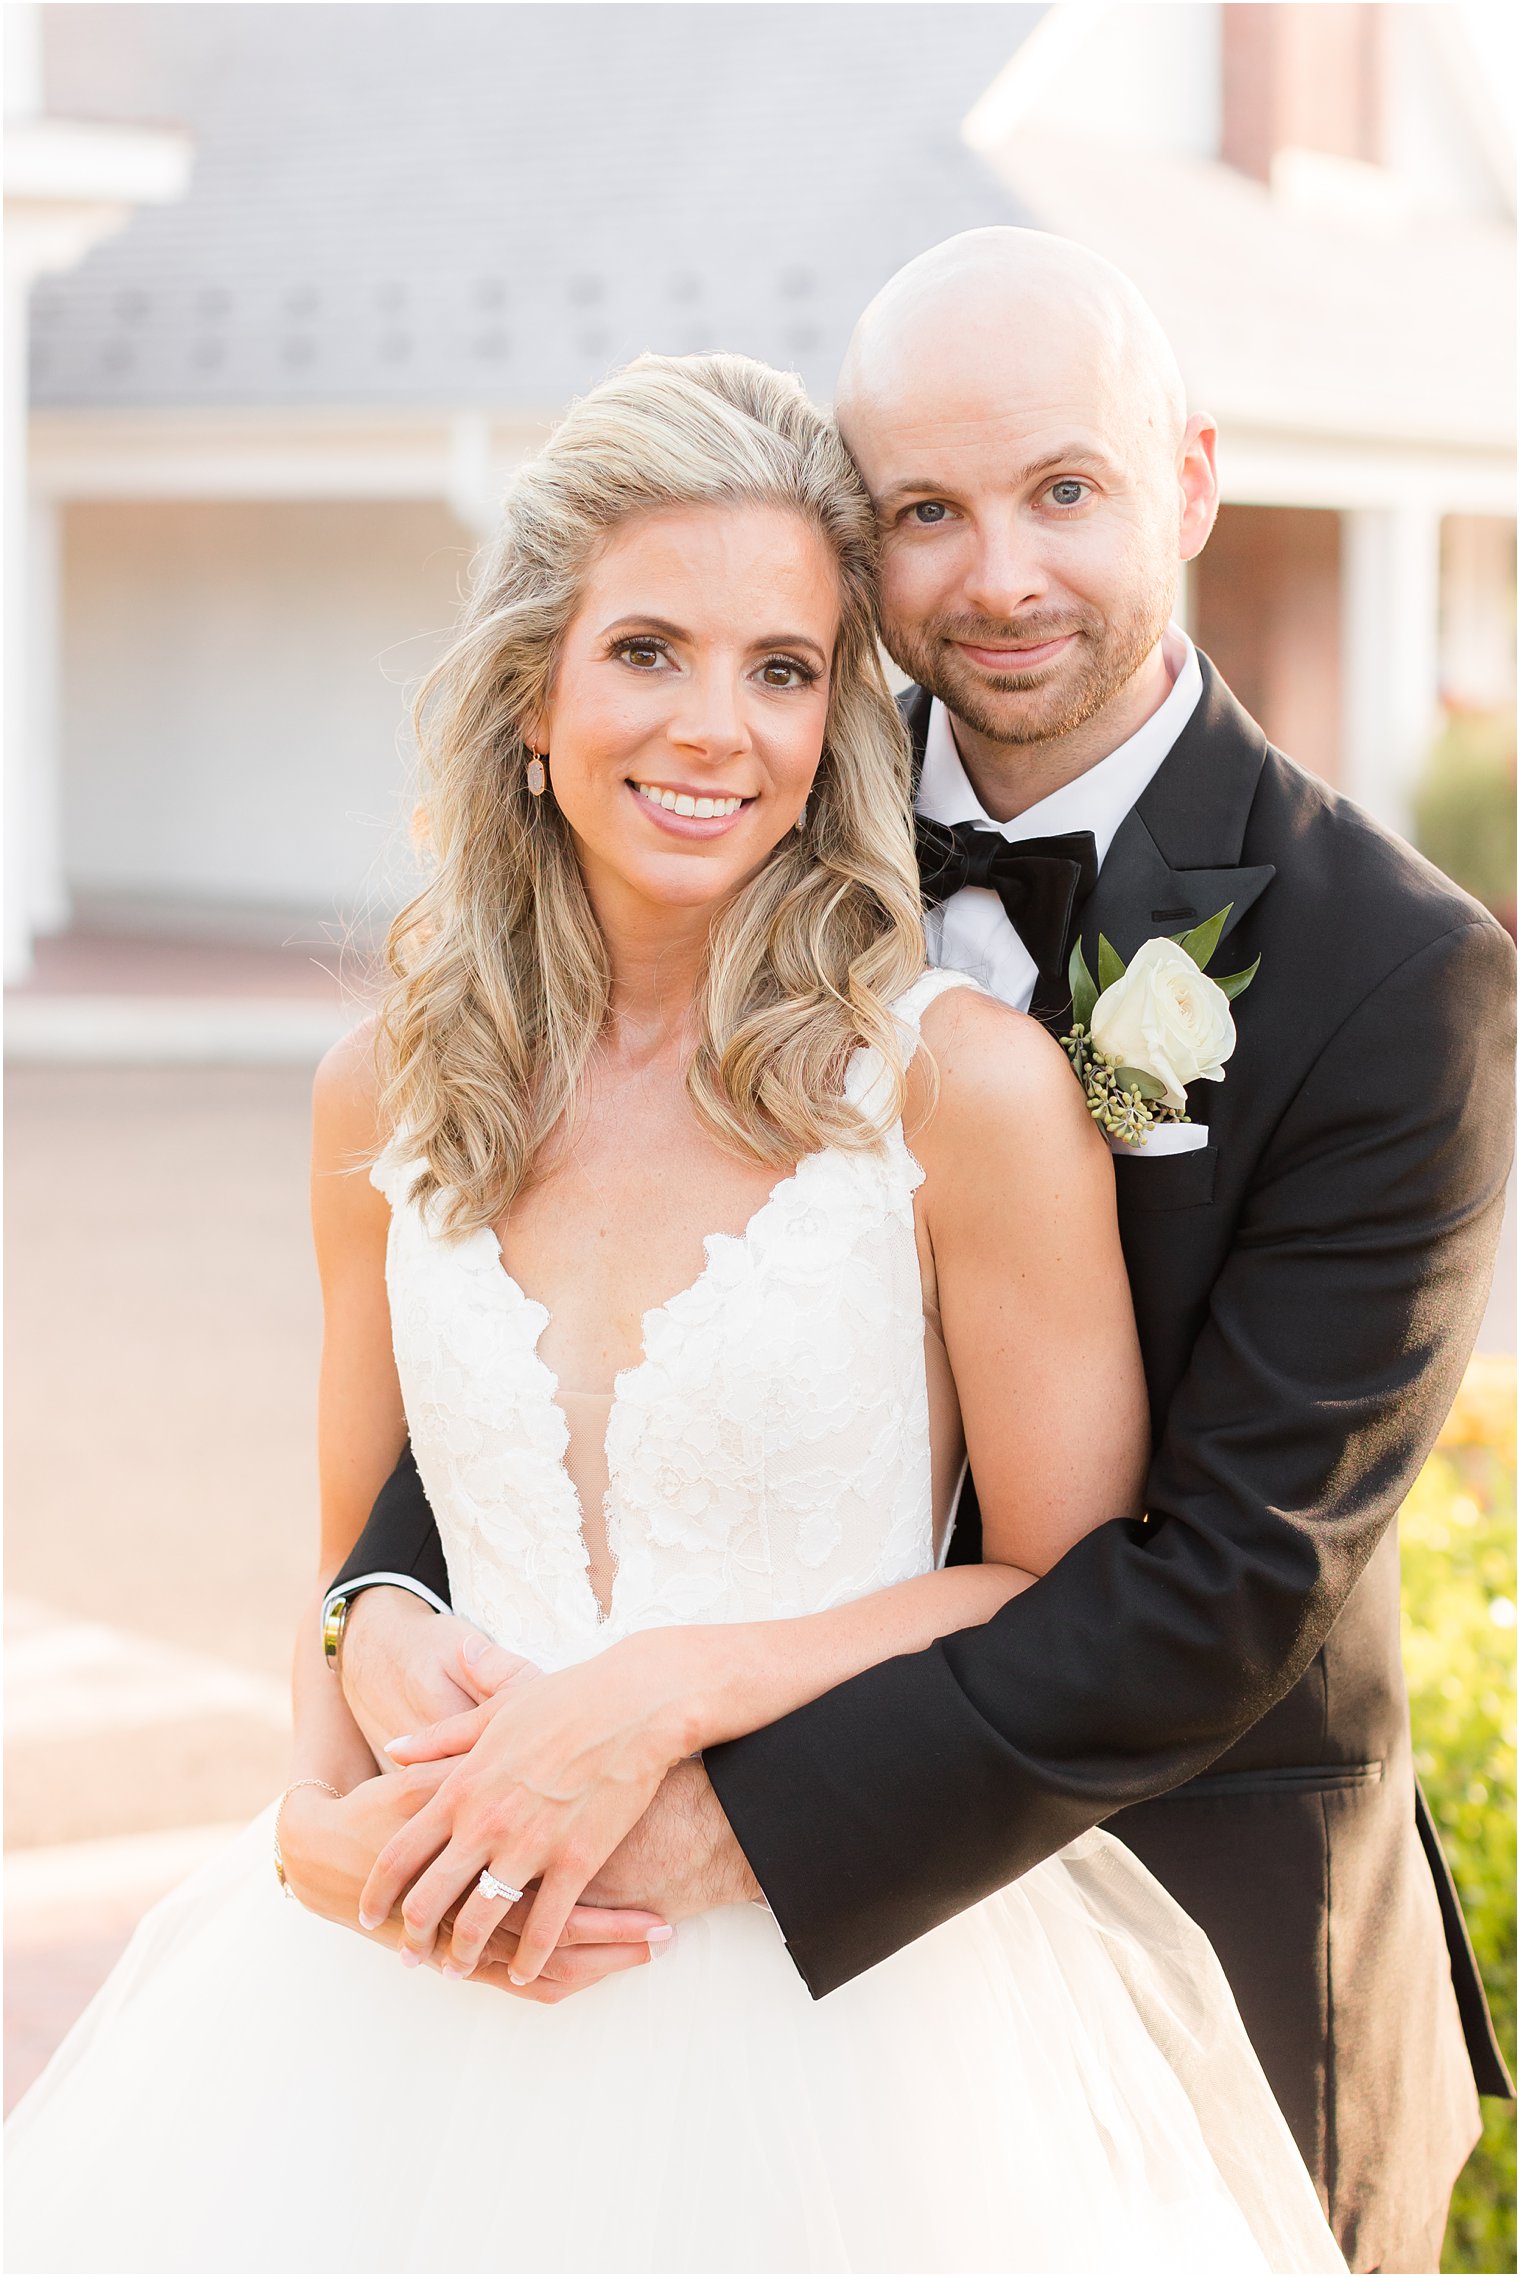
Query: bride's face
<point>688,710</point>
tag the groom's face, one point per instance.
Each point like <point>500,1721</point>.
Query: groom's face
<point>1031,512</point>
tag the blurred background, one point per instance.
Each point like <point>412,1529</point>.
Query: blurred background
<point>290,288</point>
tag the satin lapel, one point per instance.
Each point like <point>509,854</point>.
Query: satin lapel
<point>1176,858</point>
<point>1140,893</point>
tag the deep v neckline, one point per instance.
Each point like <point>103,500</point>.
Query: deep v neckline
<point>702,1450</point>
<point>714,1248</point>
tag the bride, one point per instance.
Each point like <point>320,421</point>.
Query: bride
<point>705,1237</point>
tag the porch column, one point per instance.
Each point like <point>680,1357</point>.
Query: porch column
<point>68,185</point>
<point>1391,595</point>
<point>18,799</point>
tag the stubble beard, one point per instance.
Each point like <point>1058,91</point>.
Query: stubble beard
<point>1035,707</point>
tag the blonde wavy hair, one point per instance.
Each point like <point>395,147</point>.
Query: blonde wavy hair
<point>501,984</point>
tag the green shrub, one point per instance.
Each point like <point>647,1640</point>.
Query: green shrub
<point>1459,1632</point>
<point>1464,809</point>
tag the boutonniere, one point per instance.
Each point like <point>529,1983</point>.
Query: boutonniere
<point>1142,1032</point>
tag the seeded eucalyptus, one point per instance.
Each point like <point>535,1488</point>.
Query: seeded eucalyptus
<point>1124,1102</point>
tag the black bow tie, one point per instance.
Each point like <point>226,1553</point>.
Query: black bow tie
<point>1041,882</point>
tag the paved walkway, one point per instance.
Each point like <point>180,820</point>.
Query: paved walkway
<point>163,1334</point>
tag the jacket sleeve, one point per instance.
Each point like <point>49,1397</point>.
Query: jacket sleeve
<point>399,1534</point>
<point>1334,1343</point>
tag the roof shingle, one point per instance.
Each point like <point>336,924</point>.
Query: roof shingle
<point>494,204</point>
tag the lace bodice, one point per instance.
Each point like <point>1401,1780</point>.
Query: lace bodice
<point>769,1453</point>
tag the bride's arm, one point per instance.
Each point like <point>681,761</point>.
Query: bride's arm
<point>328,1847</point>
<point>360,1423</point>
<point>1035,1308</point>
<point>1018,1208</point>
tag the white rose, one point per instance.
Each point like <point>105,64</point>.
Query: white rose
<point>1167,1018</point>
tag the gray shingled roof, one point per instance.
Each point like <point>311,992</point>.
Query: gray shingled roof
<point>492,204</point>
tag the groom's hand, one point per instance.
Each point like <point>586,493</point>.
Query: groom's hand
<point>680,1859</point>
<point>682,1856</point>
<point>401,1666</point>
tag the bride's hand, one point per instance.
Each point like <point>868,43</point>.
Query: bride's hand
<point>328,1846</point>
<point>557,1772</point>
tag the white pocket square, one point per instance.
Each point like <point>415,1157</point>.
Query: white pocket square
<point>1166,1138</point>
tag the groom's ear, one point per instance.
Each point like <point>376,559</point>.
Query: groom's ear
<point>1197,485</point>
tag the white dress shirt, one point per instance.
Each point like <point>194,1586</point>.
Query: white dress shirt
<point>971,931</point>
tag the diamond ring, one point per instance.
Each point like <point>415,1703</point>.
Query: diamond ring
<point>490,1887</point>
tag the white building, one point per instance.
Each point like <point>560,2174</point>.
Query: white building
<point>69,185</point>
<point>271,420</point>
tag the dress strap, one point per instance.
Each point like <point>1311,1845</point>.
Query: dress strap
<point>908,1009</point>
<point>394,1170</point>
<point>867,1082</point>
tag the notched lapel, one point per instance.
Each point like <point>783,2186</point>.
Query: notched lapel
<point>1197,806</point>
<point>1140,894</point>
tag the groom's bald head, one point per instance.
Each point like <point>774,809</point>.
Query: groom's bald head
<point>1020,420</point>
<point>999,315</point>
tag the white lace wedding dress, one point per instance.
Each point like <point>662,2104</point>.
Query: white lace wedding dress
<point>1057,2080</point>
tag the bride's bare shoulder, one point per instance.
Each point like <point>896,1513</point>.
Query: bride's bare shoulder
<point>346,1096</point>
<point>1001,1096</point>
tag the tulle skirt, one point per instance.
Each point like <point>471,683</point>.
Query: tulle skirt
<point>1058,2080</point>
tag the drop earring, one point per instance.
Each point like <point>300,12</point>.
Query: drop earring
<point>538,778</point>
<point>802,813</point>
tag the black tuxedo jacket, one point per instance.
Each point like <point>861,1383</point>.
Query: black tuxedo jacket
<point>1220,1682</point>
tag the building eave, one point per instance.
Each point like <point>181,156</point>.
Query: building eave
<point>465,457</point>
<point>47,161</point>
<point>268,452</point>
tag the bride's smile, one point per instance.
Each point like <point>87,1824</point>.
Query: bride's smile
<point>690,702</point>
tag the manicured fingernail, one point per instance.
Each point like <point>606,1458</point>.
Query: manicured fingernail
<point>410,1957</point>
<point>473,1648</point>
<point>449,1970</point>
<point>662,1935</point>
<point>512,1979</point>
<point>369,1920</point>
<point>391,1745</point>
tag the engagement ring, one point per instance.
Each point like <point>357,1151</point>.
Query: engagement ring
<point>490,1887</point>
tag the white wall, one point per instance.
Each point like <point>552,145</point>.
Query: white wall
<point>1449,107</point>
<point>1128,71</point>
<point>234,695</point>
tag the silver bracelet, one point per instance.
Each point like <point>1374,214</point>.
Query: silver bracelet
<point>279,1855</point>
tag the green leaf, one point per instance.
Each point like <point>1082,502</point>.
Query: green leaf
<point>1236,983</point>
<point>1084,989</point>
<point>1110,965</point>
<point>1203,940</point>
<point>1138,1079</point>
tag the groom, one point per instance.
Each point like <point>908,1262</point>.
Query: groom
<point>1218,1682</point>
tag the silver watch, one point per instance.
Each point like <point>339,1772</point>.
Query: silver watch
<point>336,1603</point>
